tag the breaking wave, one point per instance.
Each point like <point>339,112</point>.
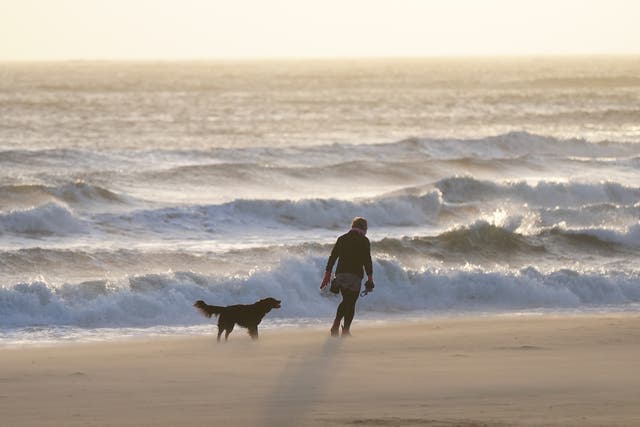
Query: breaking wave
<point>45,220</point>
<point>78,192</point>
<point>166,299</point>
<point>544,193</point>
<point>490,243</point>
<point>306,213</point>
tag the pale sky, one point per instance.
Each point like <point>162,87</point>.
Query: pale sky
<point>209,29</point>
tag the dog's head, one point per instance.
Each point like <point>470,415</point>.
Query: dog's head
<point>269,304</point>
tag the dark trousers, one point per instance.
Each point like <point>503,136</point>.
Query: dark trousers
<point>347,308</point>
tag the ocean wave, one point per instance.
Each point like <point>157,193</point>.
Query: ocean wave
<point>478,241</point>
<point>45,220</point>
<point>486,243</point>
<point>37,157</point>
<point>590,215</point>
<point>306,213</point>
<point>370,172</point>
<point>242,214</point>
<point>293,176</point>
<point>166,299</point>
<point>511,145</point>
<point>543,194</point>
<point>76,193</point>
<point>78,160</point>
<point>86,263</point>
<point>630,236</point>
<point>627,162</point>
<point>519,143</point>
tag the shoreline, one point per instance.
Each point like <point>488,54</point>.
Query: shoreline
<point>154,333</point>
<point>523,370</point>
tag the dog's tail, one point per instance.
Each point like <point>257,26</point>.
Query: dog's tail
<point>206,309</point>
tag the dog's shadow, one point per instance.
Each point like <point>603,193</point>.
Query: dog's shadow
<point>301,384</point>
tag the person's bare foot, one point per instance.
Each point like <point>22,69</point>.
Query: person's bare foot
<point>345,333</point>
<point>335,329</point>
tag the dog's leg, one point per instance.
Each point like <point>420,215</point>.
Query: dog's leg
<point>253,332</point>
<point>228,327</point>
<point>220,330</point>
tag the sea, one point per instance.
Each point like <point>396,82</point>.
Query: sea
<point>492,186</point>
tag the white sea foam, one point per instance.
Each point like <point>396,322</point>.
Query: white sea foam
<point>166,299</point>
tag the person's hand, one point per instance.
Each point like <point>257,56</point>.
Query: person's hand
<point>325,280</point>
<point>369,286</point>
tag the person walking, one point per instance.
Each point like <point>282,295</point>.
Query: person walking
<point>352,250</point>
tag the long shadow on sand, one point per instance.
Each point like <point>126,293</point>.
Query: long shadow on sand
<point>302,382</point>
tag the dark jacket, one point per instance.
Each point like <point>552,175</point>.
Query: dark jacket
<point>353,252</point>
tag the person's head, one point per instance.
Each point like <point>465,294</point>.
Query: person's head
<point>359,223</point>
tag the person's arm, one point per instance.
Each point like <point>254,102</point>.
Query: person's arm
<point>335,252</point>
<point>368,264</point>
<point>368,267</point>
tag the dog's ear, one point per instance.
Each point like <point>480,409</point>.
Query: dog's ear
<point>264,305</point>
<point>269,303</point>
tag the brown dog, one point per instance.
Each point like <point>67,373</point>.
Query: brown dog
<point>247,316</point>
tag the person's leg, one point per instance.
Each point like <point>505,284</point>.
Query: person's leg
<point>335,328</point>
<point>349,299</point>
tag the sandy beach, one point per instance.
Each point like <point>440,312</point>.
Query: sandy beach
<point>529,370</point>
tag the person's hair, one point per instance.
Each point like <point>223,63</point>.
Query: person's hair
<point>359,222</point>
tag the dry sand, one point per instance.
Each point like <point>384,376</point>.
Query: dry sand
<point>531,370</point>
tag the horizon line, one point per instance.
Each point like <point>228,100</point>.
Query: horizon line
<point>326,58</point>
